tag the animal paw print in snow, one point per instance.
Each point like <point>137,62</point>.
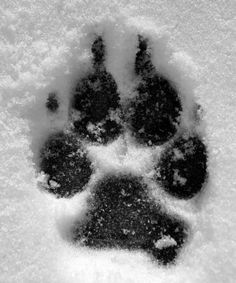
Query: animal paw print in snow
<point>121,211</point>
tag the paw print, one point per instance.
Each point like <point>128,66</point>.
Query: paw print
<point>121,211</point>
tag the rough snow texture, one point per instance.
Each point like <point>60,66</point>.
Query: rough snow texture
<point>44,48</point>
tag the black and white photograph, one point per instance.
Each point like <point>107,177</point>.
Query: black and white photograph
<point>117,141</point>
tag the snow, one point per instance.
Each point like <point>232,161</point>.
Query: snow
<point>44,47</point>
<point>165,242</point>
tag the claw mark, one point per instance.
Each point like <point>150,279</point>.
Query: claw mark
<point>98,50</point>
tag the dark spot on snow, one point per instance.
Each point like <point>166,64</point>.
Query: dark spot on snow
<point>52,102</point>
<point>65,162</point>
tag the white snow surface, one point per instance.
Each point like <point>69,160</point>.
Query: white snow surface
<point>44,47</point>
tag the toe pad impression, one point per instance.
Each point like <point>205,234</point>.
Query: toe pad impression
<point>64,161</point>
<point>182,169</point>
